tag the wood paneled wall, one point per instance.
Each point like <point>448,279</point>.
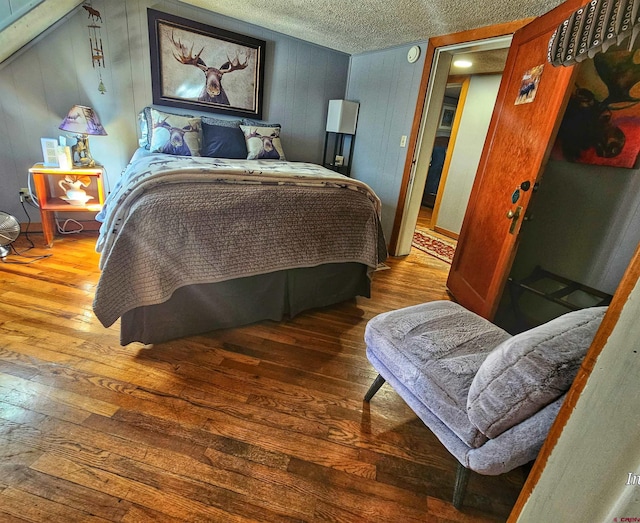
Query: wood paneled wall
<point>386,85</point>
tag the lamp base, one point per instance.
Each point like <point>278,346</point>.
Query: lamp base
<point>81,153</point>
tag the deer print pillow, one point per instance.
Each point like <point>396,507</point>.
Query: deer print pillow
<point>174,134</point>
<point>263,143</point>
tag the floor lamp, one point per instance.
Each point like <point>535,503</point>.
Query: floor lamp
<point>342,118</point>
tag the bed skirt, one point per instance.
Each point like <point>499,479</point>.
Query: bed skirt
<point>196,309</point>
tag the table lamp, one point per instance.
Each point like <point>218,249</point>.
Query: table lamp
<point>83,121</point>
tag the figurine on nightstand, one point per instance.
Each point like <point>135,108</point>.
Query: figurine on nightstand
<point>81,155</point>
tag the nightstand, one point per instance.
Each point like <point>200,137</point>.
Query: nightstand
<point>337,160</point>
<point>51,196</point>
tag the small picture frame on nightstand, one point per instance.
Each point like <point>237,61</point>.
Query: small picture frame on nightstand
<point>49,152</point>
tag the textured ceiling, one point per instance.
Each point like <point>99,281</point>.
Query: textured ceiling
<point>367,25</point>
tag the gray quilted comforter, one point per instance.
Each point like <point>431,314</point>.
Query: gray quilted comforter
<point>173,221</point>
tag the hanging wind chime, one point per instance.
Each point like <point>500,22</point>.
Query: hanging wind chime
<point>95,44</point>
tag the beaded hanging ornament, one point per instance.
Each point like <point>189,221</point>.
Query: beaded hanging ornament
<point>95,43</point>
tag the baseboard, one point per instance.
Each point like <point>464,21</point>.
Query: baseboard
<point>36,227</point>
<point>450,234</point>
<point>33,227</point>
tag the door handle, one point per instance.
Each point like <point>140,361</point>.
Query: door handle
<point>514,216</point>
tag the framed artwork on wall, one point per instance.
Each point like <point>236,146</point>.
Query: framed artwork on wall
<point>601,125</point>
<point>200,67</point>
<point>446,117</point>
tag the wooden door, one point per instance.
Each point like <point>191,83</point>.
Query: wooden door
<point>516,149</point>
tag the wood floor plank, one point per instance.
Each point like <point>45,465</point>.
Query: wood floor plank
<point>41,405</point>
<point>139,514</point>
<point>5,517</point>
<point>263,423</point>
<point>120,487</point>
<point>19,503</point>
<point>34,392</point>
<point>68,494</point>
<point>303,447</point>
<point>122,455</point>
<point>327,485</point>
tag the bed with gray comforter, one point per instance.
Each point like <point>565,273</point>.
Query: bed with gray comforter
<point>192,244</point>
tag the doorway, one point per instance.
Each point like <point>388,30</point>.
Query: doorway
<point>441,144</point>
<point>487,57</point>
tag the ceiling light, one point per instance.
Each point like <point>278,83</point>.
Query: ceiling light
<point>462,63</point>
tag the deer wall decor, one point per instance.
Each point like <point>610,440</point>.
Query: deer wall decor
<point>212,90</point>
<point>589,122</point>
<point>94,14</point>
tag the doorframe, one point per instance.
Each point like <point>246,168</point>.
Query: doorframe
<point>433,45</point>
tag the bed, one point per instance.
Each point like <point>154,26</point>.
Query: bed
<point>189,244</point>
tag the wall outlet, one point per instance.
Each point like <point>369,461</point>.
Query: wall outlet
<point>403,140</point>
<point>339,161</point>
<point>25,196</point>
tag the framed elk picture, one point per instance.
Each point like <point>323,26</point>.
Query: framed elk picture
<point>200,67</point>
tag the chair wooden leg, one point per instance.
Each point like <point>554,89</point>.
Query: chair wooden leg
<point>460,488</point>
<point>375,386</point>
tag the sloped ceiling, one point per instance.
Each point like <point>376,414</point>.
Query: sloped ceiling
<point>32,24</point>
<point>367,25</point>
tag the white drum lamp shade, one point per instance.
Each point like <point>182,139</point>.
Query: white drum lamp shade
<point>342,116</point>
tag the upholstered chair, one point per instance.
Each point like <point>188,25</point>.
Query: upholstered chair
<point>489,397</point>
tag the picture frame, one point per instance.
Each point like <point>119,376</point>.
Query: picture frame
<point>49,152</point>
<point>447,115</point>
<point>601,124</point>
<point>200,67</point>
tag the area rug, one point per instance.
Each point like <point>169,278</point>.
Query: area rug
<point>433,245</point>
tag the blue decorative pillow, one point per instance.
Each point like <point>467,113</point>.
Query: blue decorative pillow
<point>222,142</point>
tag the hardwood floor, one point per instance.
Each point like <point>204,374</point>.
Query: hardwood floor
<point>424,222</point>
<point>424,217</point>
<point>260,423</point>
